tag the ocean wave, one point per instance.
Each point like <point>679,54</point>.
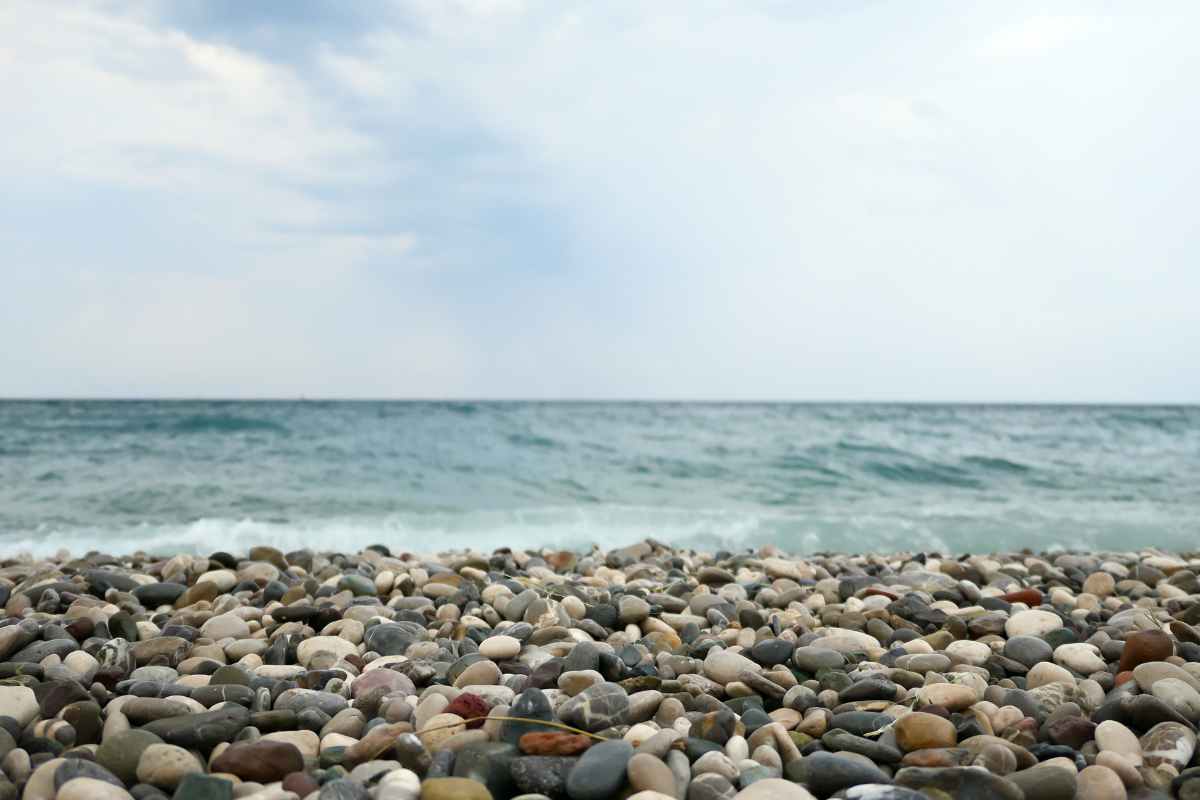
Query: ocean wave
<point>533,440</point>
<point>943,529</point>
<point>225,423</point>
<point>928,473</point>
<point>996,463</point>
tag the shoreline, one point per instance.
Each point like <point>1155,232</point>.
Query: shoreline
<point>381,676</point>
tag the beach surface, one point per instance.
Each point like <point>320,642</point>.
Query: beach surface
<point>643,671</point>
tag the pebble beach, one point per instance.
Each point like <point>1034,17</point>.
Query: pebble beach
<point>646,672</point>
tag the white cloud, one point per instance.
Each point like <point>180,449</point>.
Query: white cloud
<point>1040,34</point>
<point>626,200</point>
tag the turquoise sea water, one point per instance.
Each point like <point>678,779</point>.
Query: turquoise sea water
<point>199,476</point>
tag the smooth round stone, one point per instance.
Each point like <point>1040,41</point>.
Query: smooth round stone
<point>120,753</point>
<point>1033,622</point>
<point>715,762</point>
<point>921,663</point>
<point>1101,584</point>
<point>358,585</point>
<point>970,652</point>
<point>205,787</point>
<point>648,773</point>
<point>872,688</point>
<point>532,705</point>
<point>632,610</point>
<point>575,681</point>
<point>1151,672</point>
<point>481,673</point>
<point>825,773</point>
<point>996,759</point>
<point>961,783</point>
<point>710,786</point>
<point>724,666</point>
<point>1123,766</point>
<point>770,652</point>
<point>225,626</point>
<point>73,768</point>
<point>339,647</point>
<point>543,775</point>
<point>779,789</point>
<point>1112,735</point>
<point>1046,782</point>
<point>399,784</point>
<point>1099,783</point>
<point>1145,646</point>
<point>1168,743</point>
<point>164,765</point>
<point>920,731</point>
<point>951,696</point>
<point>91,789</point>
<point>20,703</point>
<point>1179,696</point>
<point>1081,657</point>
<point>1046,673</point>
<point>262,761</point>
<point>597,707</point>
<point>1028,650</point>
<point>500,648</point>
<point>813,659</point>
<point>446,725</point>
<point>600,772</point>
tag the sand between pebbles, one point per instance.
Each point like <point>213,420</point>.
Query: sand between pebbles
<point>644,672</point>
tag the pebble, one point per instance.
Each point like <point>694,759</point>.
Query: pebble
<point>920,731</point>
<point>272,675</point>
<point>1099,783</point>
<point>601,771</point>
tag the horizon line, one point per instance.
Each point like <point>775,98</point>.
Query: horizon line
<point>591,401</point>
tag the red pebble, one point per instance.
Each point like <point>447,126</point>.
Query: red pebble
<point>1143,646</point>
<point>553,744</point>
<point>870,590</point>
<point>1030,597</point>
<point>467,706</point>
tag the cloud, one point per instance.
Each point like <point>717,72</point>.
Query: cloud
<point>564,199</point>
<point>1041,33</point>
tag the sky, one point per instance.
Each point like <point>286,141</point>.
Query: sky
<point>851,200</point>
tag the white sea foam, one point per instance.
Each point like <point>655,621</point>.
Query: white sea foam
<point>575,528</point>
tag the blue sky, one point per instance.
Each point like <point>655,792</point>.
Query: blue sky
<point>507,198</point>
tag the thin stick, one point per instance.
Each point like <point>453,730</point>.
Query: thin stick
<point>511,719</point>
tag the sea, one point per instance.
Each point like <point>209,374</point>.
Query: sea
<point>198,476</point>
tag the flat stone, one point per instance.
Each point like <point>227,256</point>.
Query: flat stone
<point>961,783</point>
<point>201,730</point>
<point>1046,782</point>
<point>1033,622</point>
<point>600,772</point>
<point>600,706</point>
<point>263,761</point>
<point>825,773</point>
<point>91,789</point>
<point>119,753</point>
<point>542,775</point>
